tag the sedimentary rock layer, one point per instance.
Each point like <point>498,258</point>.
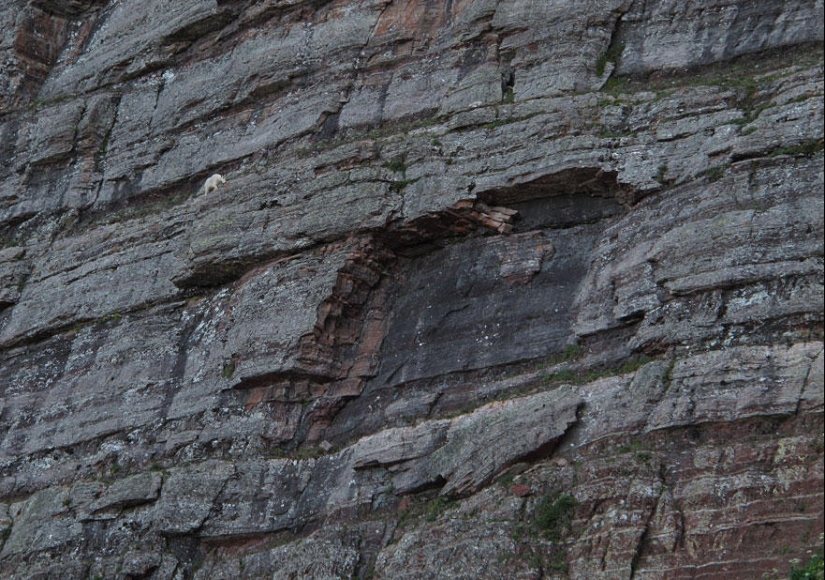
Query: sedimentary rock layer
<point>493,289</point>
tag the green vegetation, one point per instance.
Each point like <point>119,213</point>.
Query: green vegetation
<point>402,127</point>
<point>145,206</point>
<point>399,186</point>
<point>806,149</point>
<point>613,53</point>
<point>739,76</point>
<point>746,102</point>
<point>302,453</point>
<point>813,570</point>
<point>228,369</point>
<point>509,96</point>
<point>570,352</point>
<point>9,242</point>
<point>616,85</point>
<point>506,121</point>
<point>552,518</point>
<point>495,124</point>
<point>564,376</point>
<point>435,508</point>
<point>21,282</point>
<point>716,173</point>
<point>579,377</point>
<point>397,166</point>
<point>38,103</point>
<point>104,143</point>
<point>661,173</point>
<point>608,134</point>
<point>506,480</point>
<point>111,317</point>
<point>633,365</point>
<point>558,561</point>
<point>554,514</point>
<point>634,446</point>
<point>425,505</point>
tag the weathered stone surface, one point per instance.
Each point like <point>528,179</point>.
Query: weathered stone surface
<point>40,523</point>
<point>731,28</point>
<point>82,397</point>
<point>130,491</point>
<point>313,558</point>
<point>13,272</point>
<point>621,404</point>
<point>260,498</point>
<point>327,554</point>
<point>480,444</point>
<point>743,390</point>
<point>479,322</point>
<point>813,397</point>
<point>637,272</point>
<point>395,446</point>
<point>464,454</point>
<point>271,312</point>
<point>188,496</point>
<point>493,289</point>
<point>456,551</point>
<point>108,52</point>
<point>104,285</point>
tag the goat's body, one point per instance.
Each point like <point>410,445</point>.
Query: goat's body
<point>212,183</point>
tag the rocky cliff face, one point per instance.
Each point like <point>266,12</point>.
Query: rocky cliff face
<point>494,289</point>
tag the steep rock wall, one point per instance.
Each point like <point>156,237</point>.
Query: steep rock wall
<point>495,289</point>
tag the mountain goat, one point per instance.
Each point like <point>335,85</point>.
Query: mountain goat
<point>213,182</point>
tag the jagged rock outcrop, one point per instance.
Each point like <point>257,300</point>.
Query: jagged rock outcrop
<point>494,289</point>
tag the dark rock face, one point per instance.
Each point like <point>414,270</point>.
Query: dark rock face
<point>493,289</point>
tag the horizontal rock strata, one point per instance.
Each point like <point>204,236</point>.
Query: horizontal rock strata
<point>493,289</point>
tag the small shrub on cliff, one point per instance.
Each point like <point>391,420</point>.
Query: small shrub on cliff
<point>564,375</point>
<point>554,514</point>
<point>613,54</point>
<point>805,149</point>
<point>435,508</point>
<point>396,166</point>
<point>815,570</point>
<point>661,174</point>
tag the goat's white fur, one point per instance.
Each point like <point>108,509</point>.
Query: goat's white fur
<point>213,182</point>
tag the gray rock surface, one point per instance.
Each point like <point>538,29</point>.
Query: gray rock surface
<point>493,289</point>
<point>41,523</point>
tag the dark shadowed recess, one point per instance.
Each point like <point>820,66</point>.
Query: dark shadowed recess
<point>483,302</point>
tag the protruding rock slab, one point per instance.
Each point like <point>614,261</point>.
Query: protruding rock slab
<point>465,453</point>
